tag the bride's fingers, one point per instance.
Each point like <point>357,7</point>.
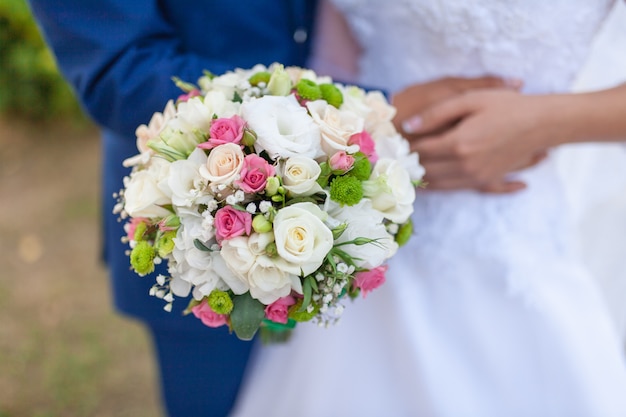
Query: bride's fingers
<point>438,116</point>
<point>433,148</point>
<point>534,160</point>
<point>503,187</point>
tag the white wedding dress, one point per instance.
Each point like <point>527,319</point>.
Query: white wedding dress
<point>488,311</point>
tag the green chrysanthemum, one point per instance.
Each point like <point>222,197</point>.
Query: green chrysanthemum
<point>346,190</point>
<point>220,302</point>
<point>301,316</point>
<point>142,258</point>
<point>331,94</point>
<point>308,90</point>
<point>404,233</point>
<point>362,168</point>
<point>259,77</point>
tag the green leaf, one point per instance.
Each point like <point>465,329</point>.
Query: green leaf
<point>246,316</point>
<point>307,291</point>
<point>201,246</point>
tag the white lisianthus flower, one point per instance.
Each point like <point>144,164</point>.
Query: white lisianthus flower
<point>381,111</point>
<point>300,175</point>
<point>143,196</point>
<point>268,282</point>
<point>362,221</point>
<point>336,126</point>
<point>223,164</point>
<point>185,184</point>
<point>397,148</point>
<point>302,239</point>
<point>390,190</point>
<point>283,127</point>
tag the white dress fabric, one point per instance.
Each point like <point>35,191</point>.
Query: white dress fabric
<point>488,310</point>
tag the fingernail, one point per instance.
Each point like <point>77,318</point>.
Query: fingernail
<point>412,125</point>
<point>513,83</point>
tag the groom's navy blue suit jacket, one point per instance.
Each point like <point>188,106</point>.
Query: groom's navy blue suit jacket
<point>120,55</point>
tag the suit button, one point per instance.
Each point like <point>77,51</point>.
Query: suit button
<point>300,35</point>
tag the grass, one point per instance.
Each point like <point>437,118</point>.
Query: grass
<point>63,351</point>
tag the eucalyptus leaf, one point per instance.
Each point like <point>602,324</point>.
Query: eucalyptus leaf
<point>201,246</point>
<point>246,316</point>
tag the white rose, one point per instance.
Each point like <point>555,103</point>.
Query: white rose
<point>390,190</point>
<point>268,282</point>
<point>223,164</point>
<point>143,196</point>
<point>300,175</point>
<point>336,126</point>
<point>184,183</point>
<point>283,127</point>
<point>396,147</point>
<point>302,239</point>
<point>363,221</point>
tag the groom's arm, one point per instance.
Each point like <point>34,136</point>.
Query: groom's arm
<point>119,55</point>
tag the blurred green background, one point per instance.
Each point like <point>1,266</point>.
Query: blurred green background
<point>30,85</point>
<point>63,351</point>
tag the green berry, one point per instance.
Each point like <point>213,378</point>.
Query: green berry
<point>404,233</point>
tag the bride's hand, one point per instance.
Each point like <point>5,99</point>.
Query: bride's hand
<point>494,133</point>
<point>418,97</point>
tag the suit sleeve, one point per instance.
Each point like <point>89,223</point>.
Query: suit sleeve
<point>119,56</point>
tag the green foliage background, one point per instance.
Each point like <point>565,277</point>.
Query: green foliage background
<point>30,84</point>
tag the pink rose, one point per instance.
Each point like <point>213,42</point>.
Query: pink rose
<point>278,311</point>
<point>207,316</point>
<point>254,174</point>
<point>230,222</point>
<point>367,281</point>
<point>131,226</point>
<point>186,97</point>
<point>224,130</point>
<point>341,161</point>
<point>366,145</point>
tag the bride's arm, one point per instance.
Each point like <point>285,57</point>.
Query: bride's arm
<point>335,52</point>
<point>496,132</point>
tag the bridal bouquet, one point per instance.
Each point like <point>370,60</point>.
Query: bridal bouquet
<point>272,194</point>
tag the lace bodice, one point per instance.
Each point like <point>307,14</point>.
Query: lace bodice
<point>541,42</point>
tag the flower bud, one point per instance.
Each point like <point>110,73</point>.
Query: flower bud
<point>280,82</point>
<point>271,186</point>
<point>260,224</point>
<point>249,137</point>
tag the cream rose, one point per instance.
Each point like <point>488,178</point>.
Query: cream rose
<point>300,175</point>
<point>336,126</point>
<point>143,196</point>
<point>283,127</point>
<point>302,239</point>
<point>223,164</point>
<point>390,190</point>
